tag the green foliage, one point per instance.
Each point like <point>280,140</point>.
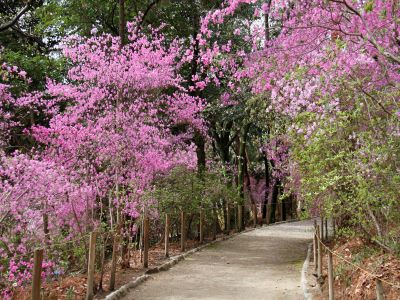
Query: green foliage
<point>184,189</point>
<point>348,166</point>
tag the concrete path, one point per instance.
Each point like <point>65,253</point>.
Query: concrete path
<point>261,264</point>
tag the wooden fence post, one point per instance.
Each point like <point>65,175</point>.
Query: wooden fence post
<point>321,229</point>
<point>326,229</point>
<point>236,216</point>
<point>330,276</point>
<point>228,219</point>
<point>315,245</point>
<point>240,217</point>
<point>201,225</point>
<point>315,250</point>
<point>146,238</point>
<point>91,262</point>
<point>319,273</point>
<point>214,223</point>
<point>254,215</point>
<point>268,216</point>
<point>379,290</point>
<point>114,261</point>
<point>183,232</point>
<point>166,236</point>
<point>334,226</point>
<point>37,274</point>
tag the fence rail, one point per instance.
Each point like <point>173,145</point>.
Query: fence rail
<point>318,250</point>
<point>209,220</point>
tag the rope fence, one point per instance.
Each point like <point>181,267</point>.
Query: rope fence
<point>201,225</point>
<point>318,248</point>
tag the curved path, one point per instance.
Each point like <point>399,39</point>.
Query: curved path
<point>261,264</point>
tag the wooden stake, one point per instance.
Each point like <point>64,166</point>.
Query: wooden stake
<point>326,229</point>
<point>330,276</point>
<point>315,240</point>
<point>321,229</point>
<point>334,226</point>
<point>215,219</point>
<point>236,217</point>
<point>228,220</point>
<point>379,290</point>
<point>114,261</point>
<point>201,226</point>
<point>166,235</point>
<point>146,244</point>
<point>319,273</point>
<point>37,274</point>
<point>183,232</point>
<point>315,250</point>
<point>254,215</point>
<point>240,217</point>
<point>91,262</point>
<point>268,216</point>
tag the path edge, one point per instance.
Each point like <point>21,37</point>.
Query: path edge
<point>304,271</point>
<point>125,289</point>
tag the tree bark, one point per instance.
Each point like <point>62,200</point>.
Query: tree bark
<point>241,159</point>
<point>122,22</point>
<point>274,200</point>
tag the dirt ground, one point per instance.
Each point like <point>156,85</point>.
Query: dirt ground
<point>353,284</point>
<point>262,264</point>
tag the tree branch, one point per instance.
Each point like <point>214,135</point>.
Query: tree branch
<point>33,38</point>
<point>14,20</point>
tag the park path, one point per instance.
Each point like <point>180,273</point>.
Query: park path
<point>261,264</point>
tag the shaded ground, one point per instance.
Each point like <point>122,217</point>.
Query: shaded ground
<point>261,264</point>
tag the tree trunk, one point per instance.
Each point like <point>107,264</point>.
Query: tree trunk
<point>241,160</point>
<point>200,152</point>
<point>267,184</point>
<point>274,200</point>
<point>122,22</point>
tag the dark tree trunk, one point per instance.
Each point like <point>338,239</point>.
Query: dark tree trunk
<point>200,152</point>
<point>122,22</point>
<point>241,159</point>
<point>267,184</point>
<point>274,200</point>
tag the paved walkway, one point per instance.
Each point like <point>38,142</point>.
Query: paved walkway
<point>261,264</point>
